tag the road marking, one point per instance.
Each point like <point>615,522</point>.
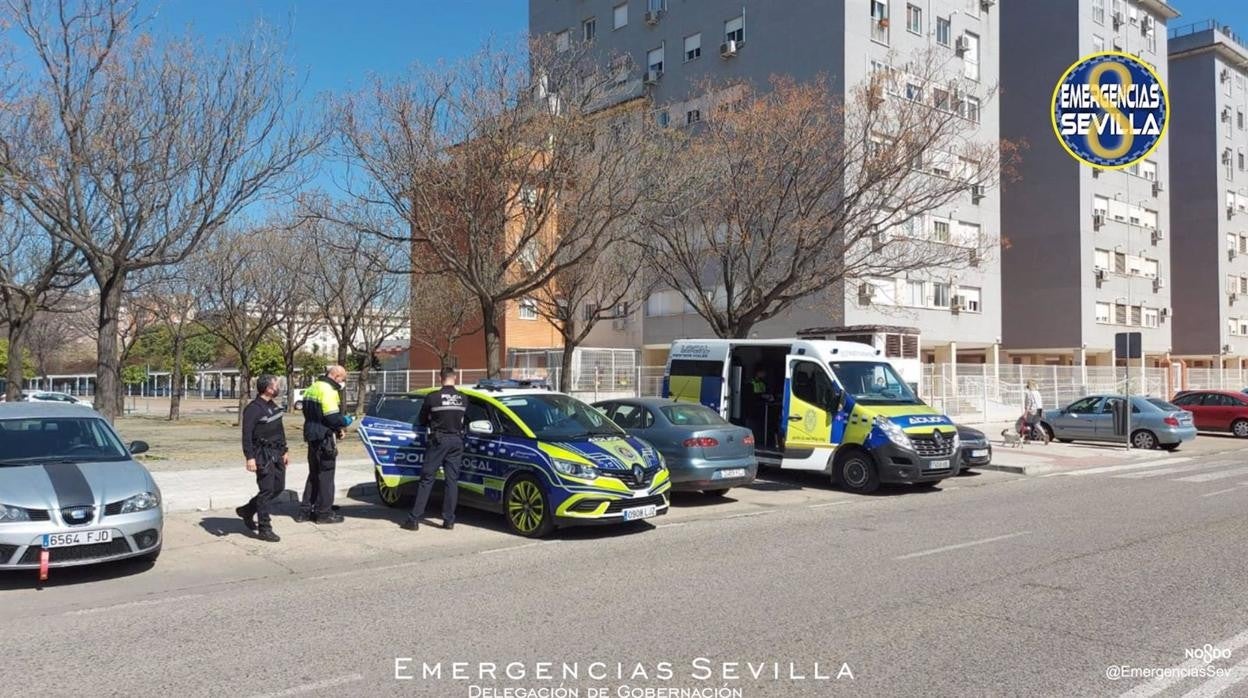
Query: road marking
<point>318,686</point>
<point>1152,463</point>
<point>748,514</point>
<point>1179,673</point>
<point>1163,471</point>
<point>1217,684</point>
<point>959,546</point>
<point>130,604</point>
<point>1233,489</point>
<point>1208,477</point>
<point>674,523</point>
<point>516,547</point>
<point>829,504</point>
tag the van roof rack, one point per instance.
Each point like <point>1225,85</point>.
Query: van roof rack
<point>511,383</point>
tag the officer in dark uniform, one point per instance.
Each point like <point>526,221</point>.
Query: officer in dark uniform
<point>443,415</point>
<point>758,405</point>
<point>323,426</point>
<point>264,447</point>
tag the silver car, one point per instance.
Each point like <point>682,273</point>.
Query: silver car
<point>702,451</point>
<point>68,485</point>
<point>1155,423</point>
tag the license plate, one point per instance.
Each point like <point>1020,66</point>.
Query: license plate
<point>938,465</point>
<point>638,513</point>
<point>730,472</point>
<point>64,540</point>
<point>979,453</point>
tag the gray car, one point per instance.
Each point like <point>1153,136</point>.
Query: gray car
<point>1154,422</point>
<point>69,486</point>
<point>702,451</point>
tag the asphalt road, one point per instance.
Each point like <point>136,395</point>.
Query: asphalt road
<point>994,584</point>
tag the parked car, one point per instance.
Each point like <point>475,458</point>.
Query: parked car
<point>1155,423</point>
<point>541,458</point>
<point>49,396</point>
<point>68,485</point>
<point>296,397</point>
<point>975,446</point>
<point>703,451</point>
<point>1216,410</point>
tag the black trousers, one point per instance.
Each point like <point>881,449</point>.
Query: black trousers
<point>318,491</point>
<point>446,451</point>
<point>271,481</point>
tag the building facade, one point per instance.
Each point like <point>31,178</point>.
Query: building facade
<point>1088,250</point>
<point>672,47</point>
<point>1209,143</point>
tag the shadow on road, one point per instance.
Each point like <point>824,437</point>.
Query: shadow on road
<point>70,576</point>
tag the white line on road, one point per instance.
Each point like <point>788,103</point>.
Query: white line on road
<point>748,514</point>
<point>1129,466</point>
<point>674,523</point>
<point>516,547</point>
<point>959,546</point>
<point>829,504</point>
<point>1179,673</point>
<point>318,686</point>
<point>1217,684</point>
<point>1207,477</point>
<point>1233,489</point>
<point>131,604</point>
<point>1164,471</point>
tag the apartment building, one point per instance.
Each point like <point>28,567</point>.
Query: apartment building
<point>671,47</point>
<point>1088,250</point>
<point>1209,142</point>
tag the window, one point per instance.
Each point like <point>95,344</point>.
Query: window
<point>1120,263</point>
<point>1243,244</point>
<point>940,294</point>
<point>528,309</point>
<point>1239,118</point>
<point>1151,268</point>
<point>1148,170</point>
<point>971,298</point>
<point>940,99</point>
<point>693,116</point>
<point>1085,406</point>
<point>662,118</point>
<point>654,61</point>
<point>1100,204</point>
<point>1098,43</point>
<point>879,21</point>
<point>971,57</point>
<point>666,303</point>
<point>561,40</point>
<point>1100,259</point>
<point>1102,313</point>
<point>971,105</point>
<point>914,93</point>
<point>656,5</point>
<point>915,295</point>
<point>620,15</point>
<point>1232,328</point>
<point>1120,314</point>
<point>633,417</point>
<point>1137,313</point>
<point>734,30</point>
<point>1148,219</point>
<point>940,231</point>
<point>693,47</point>
<point>811,383</point>
<point>914,19</point>
<point>972,7</point>
<point>1151,317</point>
<point>619,68</point>
<point>1098,11</point>
<point>884,291</point>
<point>944,31</point>
<point>589,29</point>
<point>1241,160</point>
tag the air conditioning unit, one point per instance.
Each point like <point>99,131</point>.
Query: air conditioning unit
<point>958,304</point>
<point>1147,24</point>
<point>1230,254</point>
<point>866,294</point>
<point>1096,172</point>
<point>987,4</point>
<point>1158,187</point>
<point>1158,236</point>
<point>1165,313</point>
<point>1230,212</point>
<point>653,17</point>
<point>1233,297</point>
<point>1118,20</point>
<point>728,49</point>
<point>1226,114</point>
<point>1098,220</point>
<point>962,45</point>
<point>977,193</point>
<point>1225,75</point>
<point>652,76</point>
<point>1226,348</point>
<point>1100,275</point>
<point>1158,284</point>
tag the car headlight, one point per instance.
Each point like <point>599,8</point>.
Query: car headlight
<point>956,441</point>
<point>894,433</point>
<point>10,514</point>
<point>140,502</point>
<point>567,467</point>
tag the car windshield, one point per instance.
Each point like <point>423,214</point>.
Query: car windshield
<point>40,439</point>
<point>874,383</point>
<point>691,415</point>
<point>554,417</point>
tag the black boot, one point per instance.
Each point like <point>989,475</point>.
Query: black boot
<point>267,535</point>
<point>248,517</point>
<point>303,516</point>
<point>448,525</point>
<point>330,518</point>
<point>410,525</point>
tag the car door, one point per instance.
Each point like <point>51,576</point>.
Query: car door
<point>1076,421</point>
<point>808,414</point>
<point>1103,420</point>
<point>1192,402</point>
<point>1219,411</point>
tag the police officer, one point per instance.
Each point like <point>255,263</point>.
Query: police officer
<point>323,426</point>
<point>264,447</point>
<point>758,404</point>
<point>443,415</point>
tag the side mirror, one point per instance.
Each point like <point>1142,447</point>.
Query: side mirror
<point>481,427</point>
<point>137,447</point>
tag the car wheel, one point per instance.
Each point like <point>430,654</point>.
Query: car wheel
<point>528,509</point>
<point>855,471</point>
<point>715,493</point>
<point>1144,440</point>
<point>299,405</point>
<point>1240,428</point>
<point>390,496</point>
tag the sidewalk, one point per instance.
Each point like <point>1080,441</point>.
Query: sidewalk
<point>205,489</point>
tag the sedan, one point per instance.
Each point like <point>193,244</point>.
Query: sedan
<point>69,487</point>
<point>1154,422</point>
<point>1216,410</point>
<point>49,396</point>
<point>703,451</point>
<point>975,447</point>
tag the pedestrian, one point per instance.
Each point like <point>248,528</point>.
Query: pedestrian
<point>1033,408</point>
<point>323,426</point>
<point>757,406</point>
<point>442,414</point>
<point>264,448</point>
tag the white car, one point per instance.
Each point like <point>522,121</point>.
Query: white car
<point>49,396</point>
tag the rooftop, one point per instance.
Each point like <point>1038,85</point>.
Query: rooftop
<point>1205,35</point>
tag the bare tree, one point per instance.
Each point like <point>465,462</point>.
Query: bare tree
<point>136,150</point>
<point>49,336</point>
<point>787,191</point>
<point>382,320</point>
<point>578,298</point>
<point>477,160</point>
<point>169,302</point>
<point>237,301</point>
<point>299,316</point>
<point>443,312</point>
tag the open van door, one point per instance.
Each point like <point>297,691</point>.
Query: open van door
<point>811,403</point>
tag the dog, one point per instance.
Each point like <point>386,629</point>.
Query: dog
<point>1011,438</point>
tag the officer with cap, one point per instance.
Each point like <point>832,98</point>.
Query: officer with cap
<point>264,447</point>
<point>443,415</point>
<point>323,426</point>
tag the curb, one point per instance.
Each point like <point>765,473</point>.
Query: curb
<point>1026,470</point>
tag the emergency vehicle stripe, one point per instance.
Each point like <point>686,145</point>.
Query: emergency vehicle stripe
<point>70,485</point>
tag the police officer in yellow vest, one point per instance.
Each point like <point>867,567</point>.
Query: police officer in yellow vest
<point>323,425</point>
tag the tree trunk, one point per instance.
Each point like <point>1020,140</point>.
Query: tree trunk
<point>565,365</point>
<point>175,379</point>
<point>13,391</point>
<point>361,388</point>
<point>109,399</point>
<point>493,338</point>
<point>244,388</point>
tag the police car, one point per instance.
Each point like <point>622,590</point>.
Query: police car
<point>541,458</point>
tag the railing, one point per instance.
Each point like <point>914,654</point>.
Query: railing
<point>1204,26</point>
